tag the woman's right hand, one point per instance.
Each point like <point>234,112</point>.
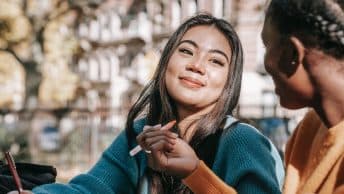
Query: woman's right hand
<point>169,153</point>
<point>157,133</point>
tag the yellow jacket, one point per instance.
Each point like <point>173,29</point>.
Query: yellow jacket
<point>315,158</point>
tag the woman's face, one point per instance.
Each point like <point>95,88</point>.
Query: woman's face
<point>198,69</point>
<point>292,82</point>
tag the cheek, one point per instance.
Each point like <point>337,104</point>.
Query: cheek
<point>174,65</point>
<point>171,71</point>
<point>170,80</point>
<point>218,79</point>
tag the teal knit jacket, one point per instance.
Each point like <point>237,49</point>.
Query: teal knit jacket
<point>245,160</point>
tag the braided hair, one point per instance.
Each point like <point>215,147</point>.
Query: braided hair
<point>319,23</point>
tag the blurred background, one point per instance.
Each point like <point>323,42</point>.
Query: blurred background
<point>71,69</point>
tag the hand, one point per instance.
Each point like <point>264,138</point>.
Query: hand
<point>168,153</point>
<point>180,162</point>
<point>155,133</point>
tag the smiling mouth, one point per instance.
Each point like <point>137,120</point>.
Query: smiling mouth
<point>191,83</point>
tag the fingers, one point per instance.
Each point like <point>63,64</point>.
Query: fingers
<point>152,134</point>
<point>142,136</point>
<point>168,134</point>
<point>166,127</point>
<point>161,144</point>
<point>169,125</point>
<point>158,159</point>
<point>149,141</point>
<point>153,137</point>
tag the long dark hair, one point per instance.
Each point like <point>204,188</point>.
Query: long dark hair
<point>318,23</point>
<point>158,106</point>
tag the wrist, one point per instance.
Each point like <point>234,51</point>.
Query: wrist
<point>196,163</point>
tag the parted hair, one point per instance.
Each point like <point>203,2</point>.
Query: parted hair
<point>159,108</point>
<point>318,23</point>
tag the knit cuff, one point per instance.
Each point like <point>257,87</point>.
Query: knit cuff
<point>203,181</point>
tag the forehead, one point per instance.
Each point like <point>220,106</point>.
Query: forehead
<point>208,37</point>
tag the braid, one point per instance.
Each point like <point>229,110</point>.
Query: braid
<point>334,31</point>
<point>322,19</point>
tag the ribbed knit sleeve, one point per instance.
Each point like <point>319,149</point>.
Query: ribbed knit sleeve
<point>204,181</point>
<point>246,162</point>
<point>115,173</point>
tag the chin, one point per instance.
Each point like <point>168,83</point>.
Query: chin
<point>289,104</point>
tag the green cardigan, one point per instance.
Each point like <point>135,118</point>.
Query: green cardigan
<point>245,159</point>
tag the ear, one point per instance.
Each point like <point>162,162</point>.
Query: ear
<point>298,48</point>
<point>289,60</point>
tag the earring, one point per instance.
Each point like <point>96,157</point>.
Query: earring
<point>293,62</point>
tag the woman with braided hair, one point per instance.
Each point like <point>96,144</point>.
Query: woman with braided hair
<point>304,42</point>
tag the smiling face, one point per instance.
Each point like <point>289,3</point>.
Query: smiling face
<point>198,69</point>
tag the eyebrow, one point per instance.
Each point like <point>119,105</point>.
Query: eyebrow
<point>212,50</point>
<point>221,53</point>
<point>188,41</point>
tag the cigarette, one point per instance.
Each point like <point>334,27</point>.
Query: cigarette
<point>135,150</point>
<point>138,148</point>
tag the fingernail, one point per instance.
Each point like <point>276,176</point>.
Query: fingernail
<point>169,125</point>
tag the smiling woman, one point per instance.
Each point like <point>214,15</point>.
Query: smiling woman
<point>197,71</point>
<point>197,83</point>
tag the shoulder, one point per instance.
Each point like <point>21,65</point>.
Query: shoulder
<point>310,122</point>
<point>138,127</point>
<point>244,150</point>
<point>304,134</point>
<point>120,144</point>
<point>309,126</point>
<point>244,142</point>
<point>243,135</point>
<point>139,124</point>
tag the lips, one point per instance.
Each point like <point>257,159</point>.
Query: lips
<point>191,82</point>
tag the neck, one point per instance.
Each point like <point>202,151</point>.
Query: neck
<point>331,110</point>
<point>328,75</point>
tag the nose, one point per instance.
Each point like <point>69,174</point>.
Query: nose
<point>196,67</point>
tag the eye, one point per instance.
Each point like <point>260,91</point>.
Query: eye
<point>185,51</point>
<point>217,61</point>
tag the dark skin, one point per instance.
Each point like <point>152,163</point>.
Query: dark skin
<point>305,76</point>
<point>315,80</point>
